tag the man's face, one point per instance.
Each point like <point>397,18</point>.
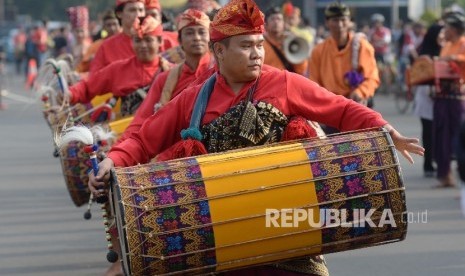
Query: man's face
<point>111,25</point>
<point>242,59</point>
<point>294,20</point>
<point>146,48</point>
<point>338,26</point>
<point>80,34</point>
<point>131,11</point>
<point>378,24</point>
<point>275,24</point>
<point>155,13</point>
<point>194,40</point>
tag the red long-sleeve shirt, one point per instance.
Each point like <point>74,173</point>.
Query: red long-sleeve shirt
<point>187,77</point>
<point>114,48</point>
<point>121,78</point>
<point>292,94</point>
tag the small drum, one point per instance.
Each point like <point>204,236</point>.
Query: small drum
<point>421,71</point>
<point>428,71</point>
<point>76,165</point>
<point>56,119</point>
<point>81,113</point>
<point>174,55</point>
<point>220,212</point>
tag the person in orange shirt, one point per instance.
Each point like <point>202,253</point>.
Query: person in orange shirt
<point>119,46</point>
<point>274,39</point>
<point>449,103</point>
<point>332,65</point>
<point>111,27</point>
<point>193,27</point>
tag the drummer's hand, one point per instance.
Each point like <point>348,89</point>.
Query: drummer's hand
<point>404,144</point>
<point>98,184</point>
<point>67,97</point>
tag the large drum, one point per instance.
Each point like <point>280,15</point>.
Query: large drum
<point>267,204</point>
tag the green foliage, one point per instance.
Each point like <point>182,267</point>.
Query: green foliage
<point>429,17</point>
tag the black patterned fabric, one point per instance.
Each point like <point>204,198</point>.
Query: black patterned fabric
<point>244,125</point>
<point>130,103</point>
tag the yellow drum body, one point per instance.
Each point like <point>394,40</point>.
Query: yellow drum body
<point>119,126</point>
<point>242,208</point>
<point>99,100</point>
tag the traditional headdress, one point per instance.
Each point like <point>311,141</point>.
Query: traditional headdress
<point>238,17</point>
<point>192,17</point>
<point>206,6</point>
<point>120,2</point>
<point>336,9</point>
<point>78,17</point>
<point>147,26</point>
<point>152,4</point>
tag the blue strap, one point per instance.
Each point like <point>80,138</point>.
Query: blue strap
<point>200,106</point>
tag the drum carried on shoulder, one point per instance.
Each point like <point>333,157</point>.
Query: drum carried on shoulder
<point>266,204</point>
<point>428,71</point>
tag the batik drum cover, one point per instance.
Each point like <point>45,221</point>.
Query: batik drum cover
<point>76,165</point>
<point>174,55</point>
<point>421,71</point>
<point>207,213</point>
<point>57,119</point>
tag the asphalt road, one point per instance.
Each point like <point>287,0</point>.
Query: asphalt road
<point>42,233</point>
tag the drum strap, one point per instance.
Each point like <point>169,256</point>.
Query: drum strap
<point>289,67</point>
<point>170,84</point>
<point>201,102</point>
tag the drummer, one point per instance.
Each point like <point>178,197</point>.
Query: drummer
<point>244,90</point>
<point>139,71</point>
<point>170,39</point>
<point>193,27</point>
<point>119,46</point>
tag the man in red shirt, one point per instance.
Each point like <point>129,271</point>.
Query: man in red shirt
<point>193,27</point>
<point>110,27</point>
<point>119,46</point>
<point>170,39</point>
<point>139,70</point>
<point>242,85</point>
